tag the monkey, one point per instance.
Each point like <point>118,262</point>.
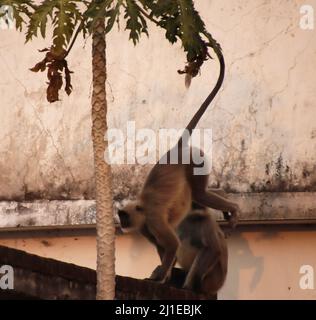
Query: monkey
<point>202,252</point>
<point>168,192</point>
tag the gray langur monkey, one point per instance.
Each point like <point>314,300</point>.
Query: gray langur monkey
<point>202,252</point>
<point>168,192</point>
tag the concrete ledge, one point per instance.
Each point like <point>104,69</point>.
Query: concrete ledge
<point>257,208</point>
<point>277,206</point>
<point>46,213</point>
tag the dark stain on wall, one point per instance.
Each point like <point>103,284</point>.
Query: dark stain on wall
<point>30,222</point>
<point>128,180</point>
<point>280,178</point>
<point>46,243</point>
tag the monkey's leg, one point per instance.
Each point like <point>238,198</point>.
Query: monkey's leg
<point>213,199</point>
<point>145,232</point>
<point>218,191</point>
<point>223,194</point>
<point>168,240</point>
<point>204,263</point>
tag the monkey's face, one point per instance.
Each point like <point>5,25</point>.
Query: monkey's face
<point>132,217</point>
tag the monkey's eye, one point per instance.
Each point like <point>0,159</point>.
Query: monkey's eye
<point>139,208</point>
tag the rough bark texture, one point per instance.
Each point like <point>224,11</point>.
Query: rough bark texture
<point>105,222</point>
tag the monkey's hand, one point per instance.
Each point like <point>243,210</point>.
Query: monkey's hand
<point>232,217</point>
<point>160,275</point>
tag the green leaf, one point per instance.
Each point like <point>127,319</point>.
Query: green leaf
<point>20,10</point>
<point>113,16</point>
<point>39,19</point>
<point>96,10</point>
<point>64,15</point>
<point>135,22</point>
<point>181,21</point>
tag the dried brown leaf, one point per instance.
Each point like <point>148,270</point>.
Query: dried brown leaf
<point>68,86</point>
<point>56,65</point>
<point>53,88</point>
<point>41,66</point>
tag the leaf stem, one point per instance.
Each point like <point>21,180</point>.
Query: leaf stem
<point>74,38</point>
<point>146,14</point>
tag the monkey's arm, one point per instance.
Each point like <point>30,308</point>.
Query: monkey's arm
<point>169,242</point>
<point>215,201</point>
<point>145,232</point>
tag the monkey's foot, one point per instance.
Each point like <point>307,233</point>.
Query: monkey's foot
<point>188,285</point>
<point>160,275</point>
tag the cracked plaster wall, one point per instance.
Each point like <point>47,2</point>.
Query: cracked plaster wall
<point>263,121</point>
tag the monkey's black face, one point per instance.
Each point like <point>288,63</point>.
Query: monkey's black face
<point>124,219</point>
<point>131,217</point>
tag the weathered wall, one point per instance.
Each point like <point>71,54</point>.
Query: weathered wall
<point>257,269</point>
<point>264,207</point>
<point>263,121</point>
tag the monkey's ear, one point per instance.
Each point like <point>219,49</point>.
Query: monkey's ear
<point>139,208</point>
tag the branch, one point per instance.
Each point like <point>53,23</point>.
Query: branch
<point>74,38</point>
<point>147,15</point>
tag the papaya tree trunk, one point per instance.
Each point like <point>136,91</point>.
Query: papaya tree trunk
<point>105,220</point>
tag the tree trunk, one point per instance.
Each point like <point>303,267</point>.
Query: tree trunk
<point>105,220</point>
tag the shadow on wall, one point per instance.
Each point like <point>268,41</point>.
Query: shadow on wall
<point>241,258</point>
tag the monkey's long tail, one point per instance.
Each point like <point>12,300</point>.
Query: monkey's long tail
<point>196,118</point>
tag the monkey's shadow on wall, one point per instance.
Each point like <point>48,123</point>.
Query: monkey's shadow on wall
<point>240,258</point>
